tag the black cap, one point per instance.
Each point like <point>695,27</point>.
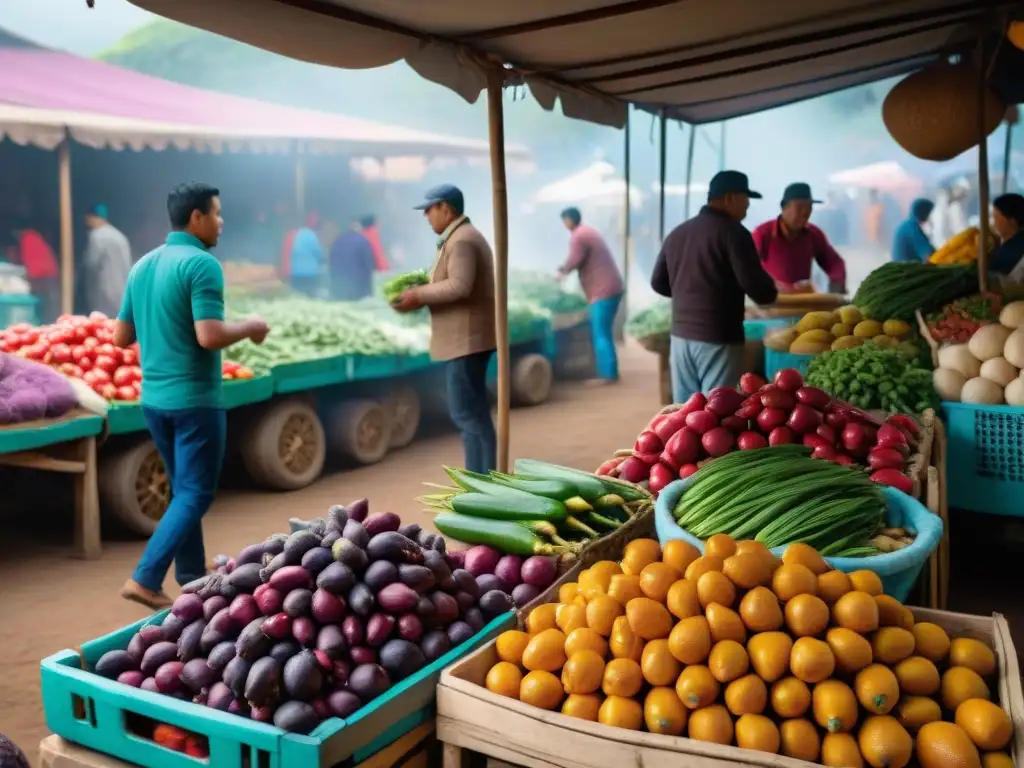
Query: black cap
<point>797,191</point>
<point>734,182</point>
<point>445,193</point>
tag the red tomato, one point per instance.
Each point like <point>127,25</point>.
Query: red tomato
<point>137,386</point>
<point>126,393</point>
<point>35,351</point>
<point>85,363</point>
<point>81,334</point>
<point>70,369</point>
<point>20,328</point>
<point>106,363</point>
<point>5,346</point>
<point>90,377</point>
<point>90,342</point>
<point>130,356</point>
<point>94,316</point>
<point>105,335</point>
<point>29,336</point>
<point>60,353</point>
<point>108,391</point>
<point>79,351</point>
<point>102,376</point>
<point>106,349</point>
<point>123,376</point>
<point>136,373</point>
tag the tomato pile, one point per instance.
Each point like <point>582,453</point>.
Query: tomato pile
<point>957,321</point>
<point>83,348</point>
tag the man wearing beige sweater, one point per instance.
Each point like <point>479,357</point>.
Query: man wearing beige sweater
<point>460,298</point>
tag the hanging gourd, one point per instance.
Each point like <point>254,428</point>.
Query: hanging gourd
<point>1015,34</point>
<point>933,113</point>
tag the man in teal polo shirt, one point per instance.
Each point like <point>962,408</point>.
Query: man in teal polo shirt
<point>174,305</point>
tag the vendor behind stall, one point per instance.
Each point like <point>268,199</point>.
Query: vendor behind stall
<point>1008,223</point>
<point>108,258</point>
<point>33,253</point>
<point>352,263</point>
<point>910,242</point>
<point>306,262</point>
<point>789,243</point>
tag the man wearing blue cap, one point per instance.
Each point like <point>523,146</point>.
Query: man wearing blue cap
<point>106,263</point>
<point>707,266</point>
<point>460,298</point>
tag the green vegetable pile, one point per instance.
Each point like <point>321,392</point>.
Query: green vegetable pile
<point>872,377</point>
<point>541,289</point>
<point>899,288</point>
<point>779,496</point>
<point>656,320</point>
<point>397,285</point>
<point>541,509</point>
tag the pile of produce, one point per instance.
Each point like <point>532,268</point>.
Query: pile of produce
<point>654,321</point>
<point>740,647</point>
<point>818,332</point>
<point>987,369</point>
<point>541,289</point>
<point>780,495</point>
<point>899,288</point>
<point>677,443</point>
<point>301,628</point>
<point>82,348</point>
<point>542,509</point>
<point>872,377</point>
<point>393,289</point>
<point>962,248</point>
<point>958,320</point>
<point>30,391</point>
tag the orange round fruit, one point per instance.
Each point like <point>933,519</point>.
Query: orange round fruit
<point>585,639</point>
<point>884,743</point>
<point>504,679</point>
<point>747,570</point>
<point>664,712</point>
<point>725,624</point>
<point>621,712</point>
<point>711,724</point>
<point>638,554</point>
<point>760,611</point>
<point>623,642</point>
<point>806,615</point>
<point>542,617</point>
<point>696,687</point>
<point>510,646</point>
<point>803,554</point>
<point>601,612</point>
<point>570,617</point>
<point>851,650</point>
<point>648,618</point>
<point>866,581</point>
<point>790,697</point>
<point>792,580</point>
<point>747,695</point>
<point>658,665</point>
<point>622,677</point>
<point>541,689</point>
<point>545,651</point>
<point>811,660</point>
<point>679,554</point>
<point>799,739</point>
<point>584,706</point>
<point>721,545</point>
<point>715,587</point>
<point>857,611</point>
<point>769,654</point>
<point>624,587</point>
<point>755,731</point>
<point>656,578</point>
<point>832,585</point>
<point>682,599</point>
<point>702,565</point>
<point>728,660</point>
<point>583,672</point>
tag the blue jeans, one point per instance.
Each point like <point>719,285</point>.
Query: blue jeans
<point>699,366</point>
<point>191,443</point>
<point>470,409</point>
<point>602,330</point>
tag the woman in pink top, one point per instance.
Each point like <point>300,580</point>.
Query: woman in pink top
<point>602,284</point>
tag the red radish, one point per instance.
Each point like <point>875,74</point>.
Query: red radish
<point>803,418</point>
<point>885,458</point>
<point>773,397</point>
<point>724,401</point>
<point>812,440</point>
<point>696,402</point>
<point>843,459</point>
<point>770,418</point>
<point>904,422</point>
<point>835,420</point>
<point>683,448</point>
<point>654,423</point>
<point>825,452</point>
<point>826,432</point>
<point>660,477</point>
<point>781,436</point>
<point>789,379</point>
<point>612,464</point>
<point>814,397</point>
<point>735,424</point>
<point>751,382</point>
<point>893,478</point>
<point>749,408</point>
<point>686,470</point>
<point>671,425</point>
<point>647,458</point>
<point>648,442</point>
<point>854,438</point>
<point>749,441</point>
<point>891,434</point>
<point>634,470</point>
<point>701,421</point>
<point>717,442</point>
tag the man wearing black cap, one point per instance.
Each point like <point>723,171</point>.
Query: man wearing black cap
<point>706,266</point>
<point>460,298</point>
<point>789,243</point>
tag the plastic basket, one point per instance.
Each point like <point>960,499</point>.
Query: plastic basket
<point>18,308</point>
<point>125,418</point>
<point>985,459</point>
<point>775,361</point>
<point>756,330</point>
<point>898,570</point>
<point>99,714</point>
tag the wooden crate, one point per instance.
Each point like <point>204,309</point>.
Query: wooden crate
<point>472,718</point>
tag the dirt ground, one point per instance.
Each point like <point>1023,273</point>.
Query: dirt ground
<point>49,601</point>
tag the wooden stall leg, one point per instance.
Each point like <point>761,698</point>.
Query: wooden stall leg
<point>88,544</point>
<point>451,756</point>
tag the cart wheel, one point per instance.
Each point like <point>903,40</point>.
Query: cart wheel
<point>531,380</point>
<point>360,430</point>
<point>134,487</point>
<point>285,449</point>
<point>402,406</point>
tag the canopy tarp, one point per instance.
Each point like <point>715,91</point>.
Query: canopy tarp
<point>700,60</point>
<point>45,94</point>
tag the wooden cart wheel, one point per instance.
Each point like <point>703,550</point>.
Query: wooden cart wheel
<point>531,380</point>
<point>285,449</point>
<point>360,430</point>
<point>402,406</point>
<point>134,487</point>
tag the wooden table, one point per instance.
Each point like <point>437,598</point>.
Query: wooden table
<point>66,445</point>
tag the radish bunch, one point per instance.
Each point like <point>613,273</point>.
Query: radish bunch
<point>759,414</point>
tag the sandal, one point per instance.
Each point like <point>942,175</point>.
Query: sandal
<point>136,593</point>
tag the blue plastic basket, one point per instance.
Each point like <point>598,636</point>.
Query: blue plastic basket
<point>775,361</point>
<point>756,330</point>
<point>18,308</point>
<point>898,570</point>
<point>98,713</point>
<point>985,462</point>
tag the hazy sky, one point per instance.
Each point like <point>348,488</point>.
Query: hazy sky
<point>69,24</point>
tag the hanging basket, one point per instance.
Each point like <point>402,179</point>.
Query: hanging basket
<point>933,113</point>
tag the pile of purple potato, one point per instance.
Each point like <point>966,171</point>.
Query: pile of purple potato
<point>314,624</point>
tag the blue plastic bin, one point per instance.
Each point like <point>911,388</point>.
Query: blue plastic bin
<point>898,570</point>
<point>18,308</point>
<point>985,463</point>
<point>98,714</point>
<point>756,330</point>
<point>775,361</point>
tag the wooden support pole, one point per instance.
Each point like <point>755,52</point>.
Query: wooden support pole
<point>983,180</point>
<point>689,169</point>
<point>67,232</point>
<point>1007,149</point>
<point>662,172</point>
<point>627,235</point>
<point>499,194</point>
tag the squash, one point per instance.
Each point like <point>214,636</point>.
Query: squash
<point>867,329</point>
<point>886,342</point>
<point>948,382</point>
<point>999,371</point>
<point>895,328</point>
<point>1014,392</point>
<point>847,342</point>
<point>809,347</point>
<point>849,315</point>
<point>988,341</point>
<point>1013,349</point>
<point>981,391</point>
<point>781,340</point>
<point>1012,315</point>
<point>841,329</point>
<point>959,358</point>
<point>816,336</point>
<point>816,321</point>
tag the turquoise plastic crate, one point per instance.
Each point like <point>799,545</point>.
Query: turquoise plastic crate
<point>756,330</point>
<point>123,419</point>
<point>898,570</point>
<point>775,361</point>
<point>312,374</point>
<point>18,309</point>
<point>95,712</point>
<point>366,367</point>
<point>239,392</point>
<point>13,439</point>
<point>985,463</point>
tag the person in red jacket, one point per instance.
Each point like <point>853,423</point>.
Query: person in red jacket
<point>35,255</point>
<point>372,233</point>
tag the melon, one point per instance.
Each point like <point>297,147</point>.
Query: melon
<point>981,391</point>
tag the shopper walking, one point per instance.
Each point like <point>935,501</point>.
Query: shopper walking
<point>107,260</point>
<point>352,264</point>
<point>306,260</point>
<point>910,243</point>
<point>602,285</point>
<point>174,306</point>
<point>460,298</point>
<point>706,266</point>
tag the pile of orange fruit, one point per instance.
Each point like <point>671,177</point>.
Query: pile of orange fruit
<point>737,646</point>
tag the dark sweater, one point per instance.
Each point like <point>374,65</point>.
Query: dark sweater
<point>706,266</point>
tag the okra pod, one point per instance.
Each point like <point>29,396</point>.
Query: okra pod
<point>559,490</point>
<point>515,505</point>
<point>509,536</point>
